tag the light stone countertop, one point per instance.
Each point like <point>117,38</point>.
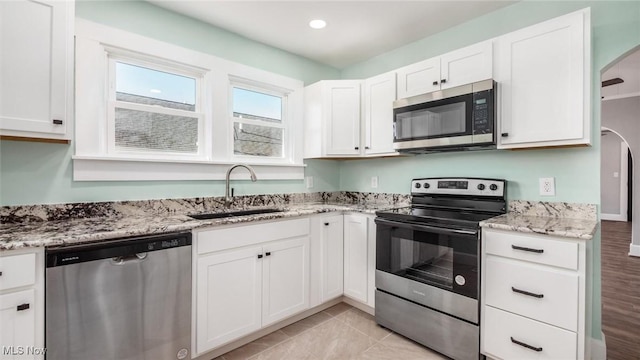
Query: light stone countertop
<point>76,231</point>
<point>577,221</point>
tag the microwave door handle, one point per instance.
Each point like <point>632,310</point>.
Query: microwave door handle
<point>425,228</point>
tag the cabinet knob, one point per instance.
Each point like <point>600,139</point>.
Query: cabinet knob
<point>325,224</point>
<point>259,256</point>
<point>22,307</point>
<point>57,122</point>
<point>356,148</point>
<point>435,83</point>
<point>504,134</point>
<point>268,253</point>
<point>443,81</point>
<point>0,273</point>
<point>367,148</point>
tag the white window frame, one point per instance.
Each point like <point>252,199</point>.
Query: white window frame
<point>283,94</point>
<point>116,55</point>
<point>96,158</point>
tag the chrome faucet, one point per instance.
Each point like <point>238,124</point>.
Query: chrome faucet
<point>227,198</point>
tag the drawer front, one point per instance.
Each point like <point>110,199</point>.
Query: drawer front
<point>243,235</point>
<point>17,270</point>
<point>508,336</point>
<point>540,293</point>
<point>538,249</point>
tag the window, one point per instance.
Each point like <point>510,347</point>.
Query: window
<point>258,122</point>
<point>153,109</point>
<point>149,110</point>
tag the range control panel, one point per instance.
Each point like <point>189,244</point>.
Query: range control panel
<point>459,186</point>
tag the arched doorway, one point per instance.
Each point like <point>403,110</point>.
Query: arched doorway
<point>620,192</point>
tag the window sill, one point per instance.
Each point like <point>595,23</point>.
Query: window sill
<point>98,168</point>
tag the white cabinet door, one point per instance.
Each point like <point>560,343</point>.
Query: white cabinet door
<point>470,64</point>
<point>356,256</point>
<point>285,279</point>
<point>342,117</point>
<point>543,73</point>
<point>419,78</point>
<point>229,296</point>
<point>332,235</point>
<point>379,95</point>
<point>17,327</point>
<point>36,41</point>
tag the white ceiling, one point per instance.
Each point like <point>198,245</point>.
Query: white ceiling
<point>356,30</point>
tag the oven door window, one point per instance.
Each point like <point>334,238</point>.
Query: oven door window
<point>436,119</point>
<point>442,259</point>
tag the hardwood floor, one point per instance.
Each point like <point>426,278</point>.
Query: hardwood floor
<point>620,292</point>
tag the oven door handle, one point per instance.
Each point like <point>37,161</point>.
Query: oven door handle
<point>428,228</point>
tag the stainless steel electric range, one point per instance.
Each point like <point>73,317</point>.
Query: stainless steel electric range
<point>428,262</point>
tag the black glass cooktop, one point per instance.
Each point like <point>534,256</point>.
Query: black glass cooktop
<point>453,218</point>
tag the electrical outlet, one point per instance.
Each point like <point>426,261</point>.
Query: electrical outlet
<point>547,187</point>
<point>374,182</point>
<point>309,180</point>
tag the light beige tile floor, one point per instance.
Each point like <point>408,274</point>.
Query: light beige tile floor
<point>340,332</point>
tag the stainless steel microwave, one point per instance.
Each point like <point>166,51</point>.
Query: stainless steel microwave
<point>459,118</point>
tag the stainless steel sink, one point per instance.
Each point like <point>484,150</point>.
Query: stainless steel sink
<point>227,214</point>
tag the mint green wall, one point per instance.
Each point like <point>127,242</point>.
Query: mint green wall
<point>36,173</point>
<point>615,30</point>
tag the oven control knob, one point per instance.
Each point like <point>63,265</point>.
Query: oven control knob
<point>493,187</point>
<point>418,186</point>
<point>460,280</point>
<point>481,187</point>
<point>426,185</point>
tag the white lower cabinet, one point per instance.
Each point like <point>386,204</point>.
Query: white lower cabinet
<point>240,290</point>
<point>533,303</point>
<point>22,304</point>
<point>359,257</point>
<point>327,254</point>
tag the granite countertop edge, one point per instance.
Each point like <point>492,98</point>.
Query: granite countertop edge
<point>92,230</point>
<point>583,229</point>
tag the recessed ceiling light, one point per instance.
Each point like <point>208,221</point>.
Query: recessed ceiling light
<point>317,24</point>
<point>155,91</point>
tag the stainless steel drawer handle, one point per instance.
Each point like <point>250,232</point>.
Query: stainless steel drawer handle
<point>537,251</point>
<point>22,307</point>
<point>523,292</point>
<point>538,349</point>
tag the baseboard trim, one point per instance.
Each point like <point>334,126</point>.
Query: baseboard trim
<point>634,250</point>
<point>598,349</point>
<point>613,217</point>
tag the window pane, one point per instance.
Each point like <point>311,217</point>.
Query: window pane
<point>141,85</point>
<point>257,140</point>
<point>156,132</point>
<point>255,105</point>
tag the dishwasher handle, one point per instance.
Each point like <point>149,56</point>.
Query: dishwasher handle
<point>119,260</point>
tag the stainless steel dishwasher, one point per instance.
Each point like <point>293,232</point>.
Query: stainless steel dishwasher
<point>128,299</point>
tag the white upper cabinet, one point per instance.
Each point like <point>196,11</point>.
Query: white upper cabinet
<point>544,77</point>
<point>332,118</point>
<point>470,64</point>
<point>379,95</point>
<point>36,98</point>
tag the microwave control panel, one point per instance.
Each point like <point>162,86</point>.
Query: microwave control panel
<point>483,112</point>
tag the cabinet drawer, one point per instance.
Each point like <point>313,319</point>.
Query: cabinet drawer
<point>506,336</point>
<point>558,253</point>
<point>17,270</point>
<point>547,295</point>
<point>235,237</point>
